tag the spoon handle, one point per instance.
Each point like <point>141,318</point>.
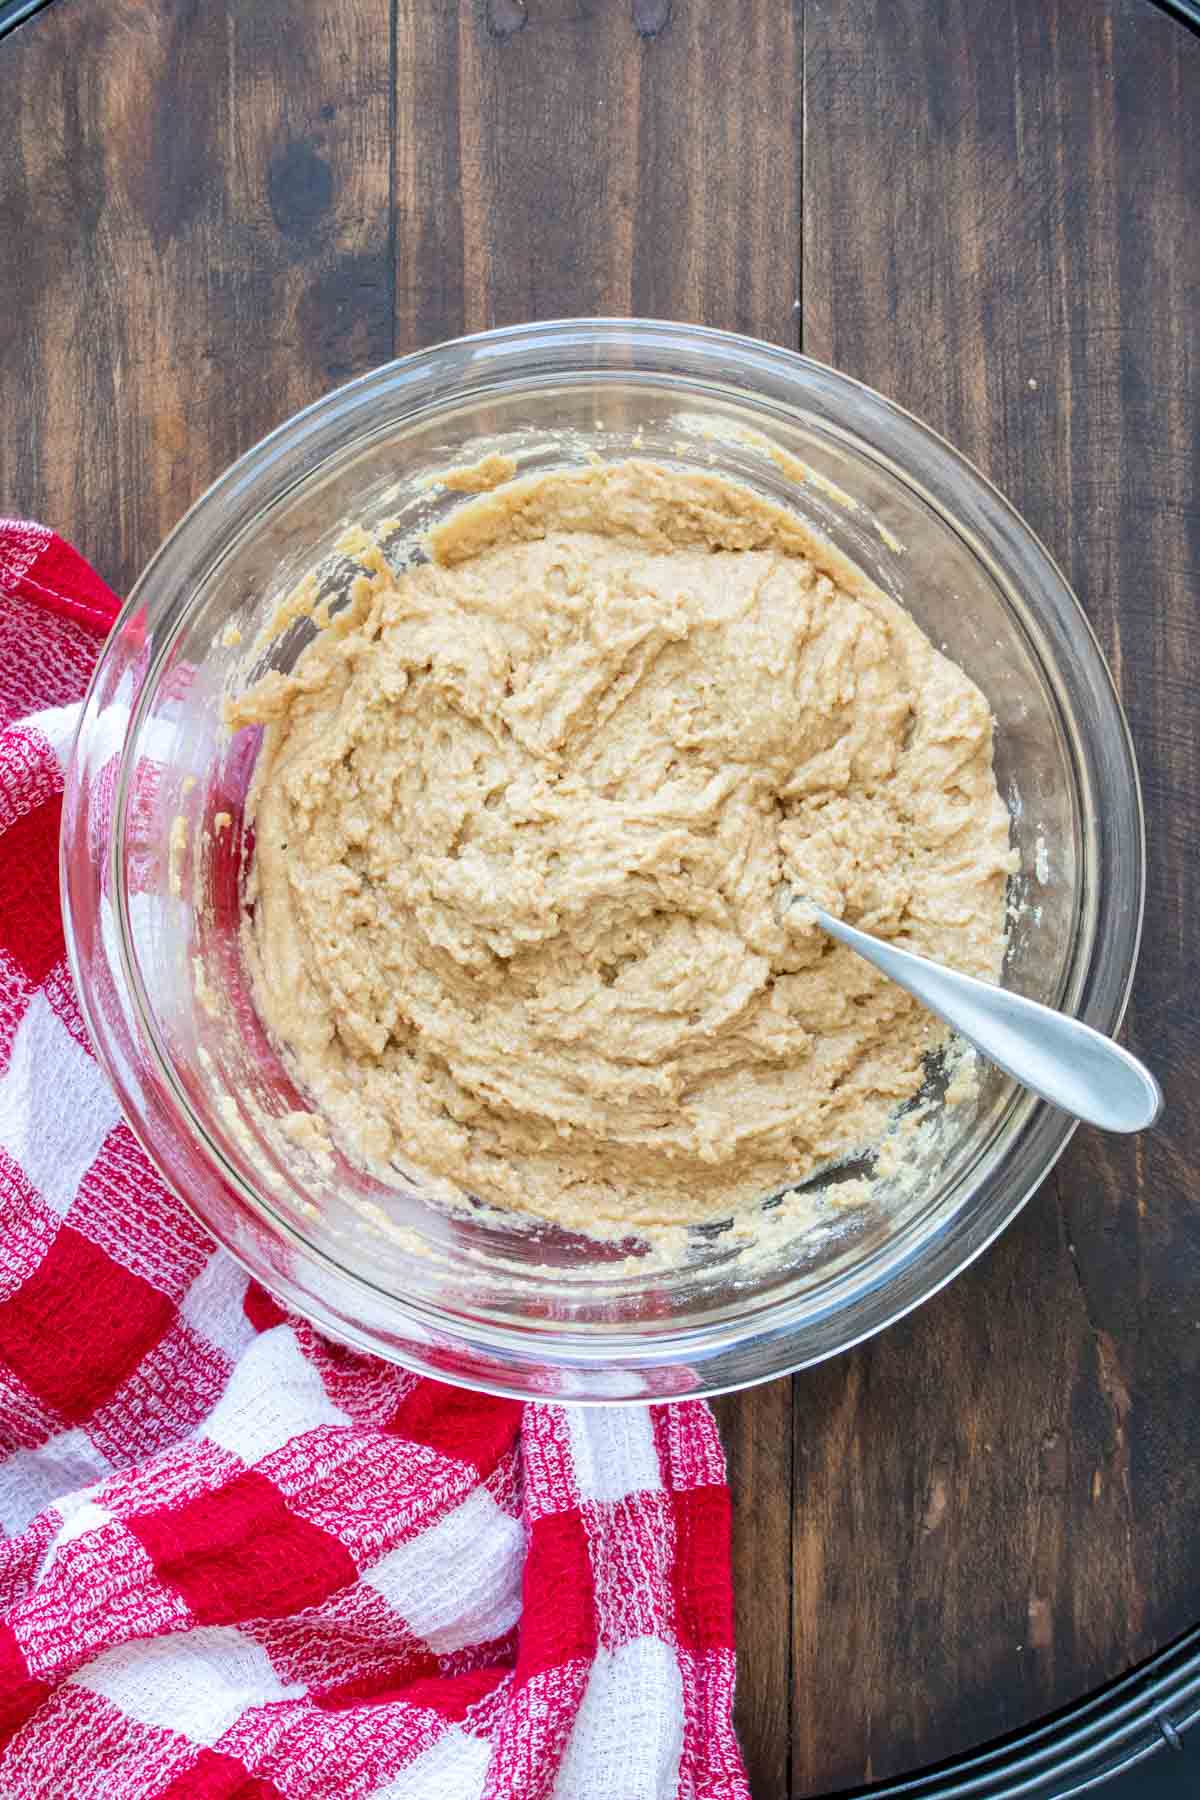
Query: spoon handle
<point>1060,1058</point>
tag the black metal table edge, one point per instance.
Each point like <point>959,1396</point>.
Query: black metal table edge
<point>15,12</point>
<point>1186,11</point>
<point>1136,1716</point>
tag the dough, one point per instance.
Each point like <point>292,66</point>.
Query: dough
<point>528,820</point>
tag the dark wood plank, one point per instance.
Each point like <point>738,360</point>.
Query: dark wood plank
<point>756,1429</point>
<point>428,177</point>
<point>542,222</point>
<point>717,229</point>
<point>998,1503</point>
<point>200,197</point>
<point>567,159</point>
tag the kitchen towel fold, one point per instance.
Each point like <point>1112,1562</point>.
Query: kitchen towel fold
<point>241,1562</point>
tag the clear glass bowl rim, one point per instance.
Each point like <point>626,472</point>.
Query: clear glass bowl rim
<point>700,359</point>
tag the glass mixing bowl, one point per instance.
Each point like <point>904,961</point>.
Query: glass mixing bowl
<point>152,871</point>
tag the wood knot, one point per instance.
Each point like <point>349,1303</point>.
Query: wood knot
<point>651,16</point>
<point>505,17</point>
<point>299,186</point>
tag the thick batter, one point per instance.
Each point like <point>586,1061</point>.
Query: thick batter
<point>528,819</point>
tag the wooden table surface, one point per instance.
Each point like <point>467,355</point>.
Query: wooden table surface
<point>211,211</point>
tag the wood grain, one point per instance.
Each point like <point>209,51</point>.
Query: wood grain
<point>1002,230</point>
<point>756,1429</point>
<point>569,161</point>
<point>989,210</point>
<point>200,194</point>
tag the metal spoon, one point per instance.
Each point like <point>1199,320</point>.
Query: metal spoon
<point>1063,1060</point>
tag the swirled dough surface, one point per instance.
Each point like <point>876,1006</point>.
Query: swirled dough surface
<point>528,816</point>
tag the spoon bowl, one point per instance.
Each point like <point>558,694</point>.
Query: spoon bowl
<point>1052,1054</point>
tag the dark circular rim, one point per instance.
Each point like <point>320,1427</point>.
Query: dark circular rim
<point>1111,1731</point>
<point>1114,1729</point>
<point>15,12</point>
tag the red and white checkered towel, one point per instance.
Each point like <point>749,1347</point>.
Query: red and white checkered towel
<point>240,1562</point>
